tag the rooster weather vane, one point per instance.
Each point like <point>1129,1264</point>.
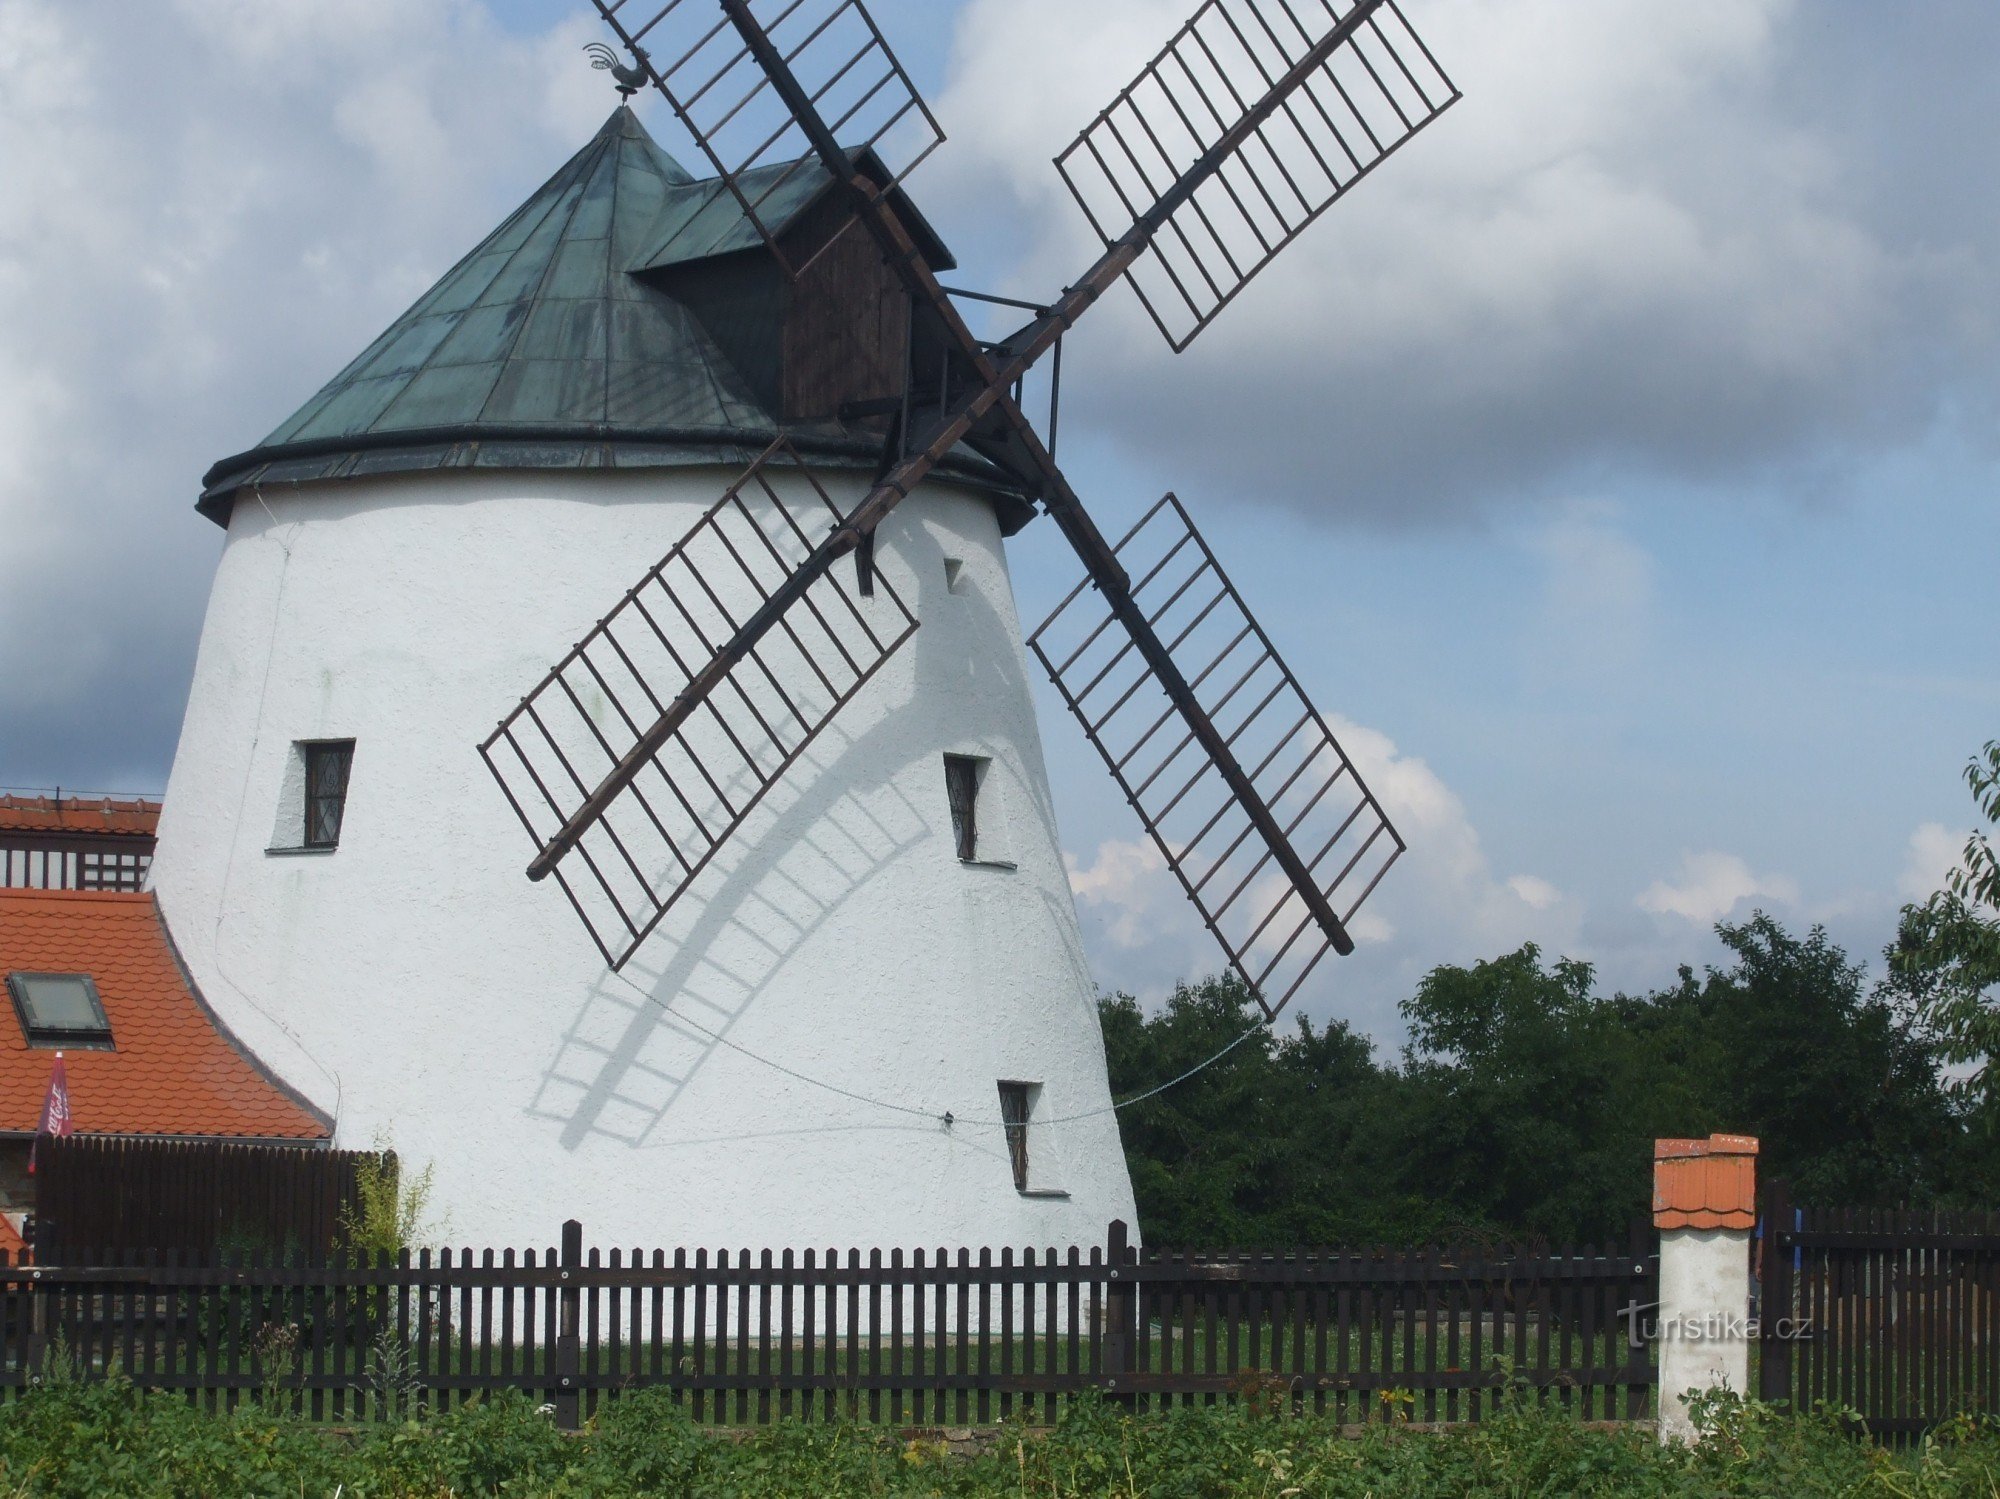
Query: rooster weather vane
<point>1249,124</point>
<point>629,80</point>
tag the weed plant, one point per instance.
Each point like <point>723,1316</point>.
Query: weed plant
<point>69,1439</point>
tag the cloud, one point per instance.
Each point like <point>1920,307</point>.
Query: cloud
<point>1933,853</point>
<point>1125,881</point>
<point>1538,894</point>
<point>1700,240</point>
<point>1711,886</point>
<point>1653,235</point>
<point>1447,896</point>
<point>1442,902</point>
<point>1596,572</point>
<point>209,206</point>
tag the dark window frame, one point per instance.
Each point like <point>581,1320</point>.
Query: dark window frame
<point>68,1038</point>
<point>1017,1107</point>
<point>329,765</point>
<point>962,774</point>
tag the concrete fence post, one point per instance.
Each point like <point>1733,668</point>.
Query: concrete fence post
<point>1705,1207</point>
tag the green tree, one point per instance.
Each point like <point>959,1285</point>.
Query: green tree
<point>1545,1097</point>
<point>1533,1096</point>
<point>1254,1147</point>
<point>1526,1103</point>
<point>1947,951</point>
<point>1790,1043</point>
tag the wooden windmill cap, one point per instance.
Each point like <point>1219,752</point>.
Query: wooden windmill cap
<point>1708,1183</point>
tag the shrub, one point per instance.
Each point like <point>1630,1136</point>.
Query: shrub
<point>66,1439</point>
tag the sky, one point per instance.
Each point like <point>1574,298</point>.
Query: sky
<point>1616,466</point>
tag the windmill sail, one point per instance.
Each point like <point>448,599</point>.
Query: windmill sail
<point>755,121</point>
<point>1276,894</point>
<point>628,782</point>
<point>1249,125</point>
<point>1293,778</point>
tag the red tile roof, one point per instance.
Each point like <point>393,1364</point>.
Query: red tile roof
<point>137,816</point>
<point>11,1243</point>
<point>175,1070</point>
<point>1708,1183</point>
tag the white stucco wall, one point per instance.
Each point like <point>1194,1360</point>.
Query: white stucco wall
<point>417,985</point>
<point>1703,1319</point>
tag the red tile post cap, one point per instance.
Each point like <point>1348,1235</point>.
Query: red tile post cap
<point>1708,1183</point>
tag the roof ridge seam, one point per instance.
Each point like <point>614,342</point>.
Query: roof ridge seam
<point>584,178</point>
<point>556,188</point>
<point>323,397</point>
<point>610,270</point>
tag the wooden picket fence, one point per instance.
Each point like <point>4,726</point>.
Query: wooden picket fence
<point>911,1339</point>
<point>1888,1314</point>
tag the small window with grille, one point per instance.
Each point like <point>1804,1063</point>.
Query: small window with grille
<point>60,1009</point>
<point>327,764</point>
<point>962,774</point>
<point>1017,1101</point>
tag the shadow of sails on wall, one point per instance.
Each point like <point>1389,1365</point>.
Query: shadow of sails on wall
<point>66,842</point>
<point>835,335</point>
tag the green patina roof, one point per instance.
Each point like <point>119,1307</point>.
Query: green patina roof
<point>543,349</point>
<point>708,220</point>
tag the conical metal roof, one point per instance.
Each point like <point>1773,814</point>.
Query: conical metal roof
<point>543,349</point>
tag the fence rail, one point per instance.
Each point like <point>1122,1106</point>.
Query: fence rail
<point>939,1338</point>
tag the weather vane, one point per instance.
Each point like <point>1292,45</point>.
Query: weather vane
<point>630,80</point>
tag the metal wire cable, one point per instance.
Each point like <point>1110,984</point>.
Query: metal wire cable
<point>946,1117</point>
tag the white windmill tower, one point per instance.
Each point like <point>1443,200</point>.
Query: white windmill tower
<point>828,987</point>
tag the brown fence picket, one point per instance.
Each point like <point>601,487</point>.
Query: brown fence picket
<point>1806,1352</point>
<point>964,1335</point>
<point>698,1337</point>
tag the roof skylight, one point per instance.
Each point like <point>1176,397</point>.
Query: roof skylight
<point>60,1009</point>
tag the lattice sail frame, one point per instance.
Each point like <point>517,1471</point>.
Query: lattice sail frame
<point>1379,87</point>
<point>662,829</point>
<point>701,63</point>
<point>1327,811</point>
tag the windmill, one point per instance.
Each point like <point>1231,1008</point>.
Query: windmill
<point>645,748</point>
<point>829,986</point>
